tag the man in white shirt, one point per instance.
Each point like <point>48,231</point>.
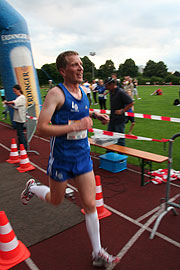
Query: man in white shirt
<point>88,90</point>
<point>19,117</point>
<point>93,86</point>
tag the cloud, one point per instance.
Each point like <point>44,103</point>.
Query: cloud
<point>115,30</point>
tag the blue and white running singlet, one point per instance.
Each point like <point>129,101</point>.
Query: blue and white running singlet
<point>72,146</point>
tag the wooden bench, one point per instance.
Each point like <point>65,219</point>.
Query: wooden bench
<point>146,157</point>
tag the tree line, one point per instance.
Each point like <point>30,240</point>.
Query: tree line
<point>153,73</point>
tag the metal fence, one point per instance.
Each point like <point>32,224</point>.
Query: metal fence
<point>31,126</point>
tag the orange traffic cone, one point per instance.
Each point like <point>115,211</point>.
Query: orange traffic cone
<point>12,251</point>
<point>25,165</point>
<point>13,156</point>
<point>101,210</point>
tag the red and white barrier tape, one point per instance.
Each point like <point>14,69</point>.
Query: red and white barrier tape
<point>139,115</point>
<point>160,176</point>
<point>125,136</point>
<point>31,117</point>
<point>115,134</point>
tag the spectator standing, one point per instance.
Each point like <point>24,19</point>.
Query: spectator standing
<point>130,118</point>
<point>19,116</point>
<point>128,86</point>
<point>135,91</point>
<point>120,103</point>
<point>50,84</point>
<point>118,82</point>
<point>101,94</point>
<point>88,90</point>
<point>93,87</point>
<point>2,91</point>
<point>3,98</point>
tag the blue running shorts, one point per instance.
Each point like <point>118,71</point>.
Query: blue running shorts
<point>61,170</point>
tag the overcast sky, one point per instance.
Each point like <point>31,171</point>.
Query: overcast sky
<point>114,29</point>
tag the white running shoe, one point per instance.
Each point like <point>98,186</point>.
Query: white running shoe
<point>26,195</point>
<point>104,259</point>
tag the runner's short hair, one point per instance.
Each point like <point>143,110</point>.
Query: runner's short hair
<point>61,61</point>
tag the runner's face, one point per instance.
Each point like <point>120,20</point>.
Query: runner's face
<point>74,69</point>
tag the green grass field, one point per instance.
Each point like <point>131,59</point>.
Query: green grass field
<point>153,105</point>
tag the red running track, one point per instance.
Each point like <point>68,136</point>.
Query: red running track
<point>122,233</point>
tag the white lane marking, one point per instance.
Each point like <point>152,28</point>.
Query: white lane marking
<point>3,146</point>
<point>41,138</point>
<point>6,125</point>
<point>135,237</point>
<point>31,264</point>
<point>142,225</point>
<point>148,214</point>
<point>157,208</point>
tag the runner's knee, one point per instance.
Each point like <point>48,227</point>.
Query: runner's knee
<point>89,207</point>
<point>56,201</point>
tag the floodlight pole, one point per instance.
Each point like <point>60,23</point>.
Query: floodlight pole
<point>92,54</point>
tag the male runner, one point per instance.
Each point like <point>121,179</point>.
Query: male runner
<point>67,107</point>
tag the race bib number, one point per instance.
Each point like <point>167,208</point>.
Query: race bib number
<point>78,135</point>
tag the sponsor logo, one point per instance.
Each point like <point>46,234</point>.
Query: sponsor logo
<point>14,36</point>
<point>74,107</point>
<point>59,175</point>
<point>24,76</point>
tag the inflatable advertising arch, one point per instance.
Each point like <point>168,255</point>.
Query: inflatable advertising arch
<point>16,61</point>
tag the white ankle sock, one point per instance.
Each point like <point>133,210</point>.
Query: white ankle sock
<point>40,191</point>
<point>92,225</point>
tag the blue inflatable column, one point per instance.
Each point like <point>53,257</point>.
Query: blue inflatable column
<point>16,61</point>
